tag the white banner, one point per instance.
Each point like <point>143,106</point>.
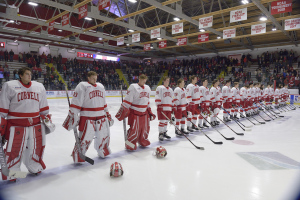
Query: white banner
<point>120,41</point>
<point>292,24</point>
<point>229,33</point>
<point>136,37</point>
<point>177,28</point>
<point>238,15</point>
<point>155,33</point>
<point>258,29</point>
<point>206,22</point>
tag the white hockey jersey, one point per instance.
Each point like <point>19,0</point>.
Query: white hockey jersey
<point>164,97</point>
<point>277,93</point>
<point>137,98</point>
<point>89,100</point>
<point>266,93</point>
<point>23,101</point>
<point>220,96</point>
<point>193,93</point>
<point>244,94</point>
<point>271,92</point>
<point>180,98</point>
<point>204,94</point>
<point>226,94</point>
<point>236,94</point>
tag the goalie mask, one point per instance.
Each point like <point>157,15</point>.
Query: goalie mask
<point>160,152</point>
<point>116,169</point>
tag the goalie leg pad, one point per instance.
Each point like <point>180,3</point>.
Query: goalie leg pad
<point>85,137</point>
<point>144,131</point>
<point>101,141</point>
<point>33,155</point>
<point>16,145</point>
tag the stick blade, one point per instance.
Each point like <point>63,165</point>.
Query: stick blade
<point>218,142</point>
<point>89,160</point>
<point>232,138</point>
<point>239,133</point>
<point>201,148</point>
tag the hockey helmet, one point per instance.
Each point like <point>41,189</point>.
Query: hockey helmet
<point>116,169</point>
<point>160,152</point>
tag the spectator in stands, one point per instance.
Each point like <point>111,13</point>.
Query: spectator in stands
<point>1,55</point>
<point>6,72</point>
<point>11,55</point>
<point>49,58</point>
<point>6,56</point>
<point>1,75</point>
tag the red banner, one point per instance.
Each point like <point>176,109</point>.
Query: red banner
<point>181,41</point>
<point>282,6</point>
<point>82,11</point>
<point>103,4</point>
<point>162,44</point>
<point>147,47</point>
<point>203,37</point>
<point>65,19</point>
<point>51,26</point>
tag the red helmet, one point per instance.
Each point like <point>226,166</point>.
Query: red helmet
<point>160,152</point>
<point>116,169</point>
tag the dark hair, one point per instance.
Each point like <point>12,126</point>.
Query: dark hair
<point>228,81</point>
<point>192,77</point>
<point>179,81</point>
<point>22,70</point>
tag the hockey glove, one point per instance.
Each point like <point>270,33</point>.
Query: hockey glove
<point>122,113</point>
<point>49,126</point>
<point>71,121</point>
<point>110,120</point>
<point>151,115</point>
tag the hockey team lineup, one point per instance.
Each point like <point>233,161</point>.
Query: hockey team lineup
<point>26,120</point>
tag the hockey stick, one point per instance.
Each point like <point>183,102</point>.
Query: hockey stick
<point>4,169</point>
<point>124,120</point>
<point>201,148</point>
<point>264,112</point>
<point>230,127</point>
<point>274,114</point>
<point>252,117</point>
<point>232,138</point>
<point>77,141</point>
<point>203,132</point>
<point>245,129</point>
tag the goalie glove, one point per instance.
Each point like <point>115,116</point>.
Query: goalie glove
<point>122,113</point>
<point>71,121</point>
<point>49,126</point>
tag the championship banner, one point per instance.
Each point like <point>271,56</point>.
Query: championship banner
<point>181,41</point>
<point>82,11</point>
<point>282,6</point>
<point>136,37</point>
<point>155,33</point>
<point>103,4</point>
<point>258,29</point>
<point>162,44</point>
<point>229,33</point>
<point>51,26</point>
<point>120,41</point>
<point>203,37</point>
<point>65,19</point>
<point>292,24</point>
<point>177,28</point>
<point>147,47</point>
<point>238,15</point>
<point>205,22</point>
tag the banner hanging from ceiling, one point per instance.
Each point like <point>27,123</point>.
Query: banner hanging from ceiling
<point>203,37</point>
<point>177,28</point>
<point>282,6</point>
<point>136,37</point>
<point>206,22</point>
<point>258,29</point>
<point>229,33</point>
<point>65,19</point>
<point>155,33</point>
<point>162,44</point>
<point>51,26</point>
<point>103,4</point>
<point>82,11</point>
<point>181,41</point>
<point>238,15</point>
<point>120,41</point>
<point>292,24</point>
<point>147,47</point>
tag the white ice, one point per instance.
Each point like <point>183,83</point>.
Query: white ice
<point>217,172</point>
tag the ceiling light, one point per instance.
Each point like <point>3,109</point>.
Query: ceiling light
<point>176,19</point>
<point>218,37</point>
<point>263,18</point>
<point>132,1</point>
<point>11,21</point>
<point>131,30</point>
<point>202,30</point>
<point>88,18</point>
<point>46,45</point>
<point>159,38</point>
<point>16,41</point>
<point>59,30</point>
<point>73,49</point>
<point>274,28</point>
<point>100,38</point>
<point>245,1</point>
<point>151,47</point>
<point>127,44</point>
<point>32,3</point>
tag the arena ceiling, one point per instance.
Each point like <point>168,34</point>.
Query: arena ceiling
<point>24,22</point>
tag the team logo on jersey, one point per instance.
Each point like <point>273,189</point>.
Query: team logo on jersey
<point>75,94</point>
<point>196,90</point>
<point>144,94</point>
<point>167,94</point>
<point>206,93</point>
<point>128,92</point>
<point>28,95</point>
<point>157,92</point>
<point>182,96</point>
<point>96,93</point>
<point>175,94</point>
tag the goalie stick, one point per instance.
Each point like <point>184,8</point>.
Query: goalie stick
<point>201,148</point>
<point>77,141</point>
<point>124,120</point>
<point>4,169</point>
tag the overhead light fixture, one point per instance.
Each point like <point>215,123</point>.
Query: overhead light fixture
<point>159,38</point>
<point>130,30</point>
<point>59,30</point>
<point>151,47</point>
<point>73,49</point>
<point>46,45</point>
<point>88,18</point>
<point>245,1</point>
<point>132,1</point>
<point>218,37</point>
<point>202,30</point>
<point>176,19</point>
<point>274,28</point>
<point>263,18</point>
<point>32,3</point>
<point>15,40</point>
<point>127,44</point>
<point>100,38</point>
<point>11,21</point>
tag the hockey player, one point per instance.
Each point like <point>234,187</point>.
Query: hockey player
<point>271,94</point>
<point>94,119</point>
<point>227,100</point>
<point>244,99</point>
<point>256,96</point>
<point>205,103</point>
<point>215,101</point>
<point>179,107</point>
<point>193,99</point>
<point>251,96</point>
<point>266,96</point>
<point>164,102</point>
<point>136,107</point>
<point>23,104</point>
<point>236,99</point>
<point>277,96</point>
<point>286,93</point>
